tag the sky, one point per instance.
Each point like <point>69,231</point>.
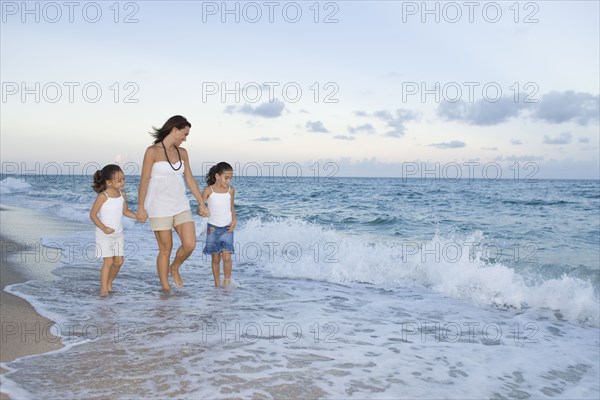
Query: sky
<point>438,90</point>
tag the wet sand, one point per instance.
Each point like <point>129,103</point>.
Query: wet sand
<point>24,331</point>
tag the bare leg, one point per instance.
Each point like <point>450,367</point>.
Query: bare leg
<point>216,268</point>
<point>104,274</point>
<point>187,235</point>
<point>227,268</point>
<point>165,245</point>
<point>114,270</point>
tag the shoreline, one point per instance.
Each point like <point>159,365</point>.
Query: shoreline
<point>24,331</point>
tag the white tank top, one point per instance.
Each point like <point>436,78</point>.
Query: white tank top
<point>219,205</point>
<point>166,191</point>
<point>111,213</point>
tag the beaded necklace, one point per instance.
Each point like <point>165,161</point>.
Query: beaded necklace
<point>166,155</point>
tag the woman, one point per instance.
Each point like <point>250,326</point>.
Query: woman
<point>162,197</point>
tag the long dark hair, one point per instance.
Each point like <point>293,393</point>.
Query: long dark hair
<point>216,169</point>
<point>103,175</point>
<point>176,121</point>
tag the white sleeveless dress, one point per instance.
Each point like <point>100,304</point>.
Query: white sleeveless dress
<point>111,215</point>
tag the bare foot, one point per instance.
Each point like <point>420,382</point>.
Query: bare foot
<point>226,283</point>
<point>176,278</point>
<point>103,293</point>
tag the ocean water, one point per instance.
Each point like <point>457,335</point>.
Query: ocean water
<point>343,288</point>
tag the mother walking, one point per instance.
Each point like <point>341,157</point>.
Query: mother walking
<point>162,197</point>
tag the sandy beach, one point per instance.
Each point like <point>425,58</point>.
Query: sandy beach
<point>24,331</point>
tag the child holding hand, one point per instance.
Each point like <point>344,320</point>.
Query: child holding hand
<point>106,214</point>
<point>218,195</point>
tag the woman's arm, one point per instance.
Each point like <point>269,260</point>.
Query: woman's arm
<point>202,209</point>
<point>142,215</point>
<point>189,176</point>
<point>192,184</point>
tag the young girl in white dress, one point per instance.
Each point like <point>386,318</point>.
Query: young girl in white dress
<point>106,214</point>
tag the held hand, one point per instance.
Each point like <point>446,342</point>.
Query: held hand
<point>108,230</point>
<point>202,211</point>
<point>141,215</point>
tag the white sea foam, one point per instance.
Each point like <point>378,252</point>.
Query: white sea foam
<point>297,338</point>
<point>454,266</point>
<point>12,185</point>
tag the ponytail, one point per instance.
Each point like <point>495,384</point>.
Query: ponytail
<point>216,169</point>
<point>102,175</point>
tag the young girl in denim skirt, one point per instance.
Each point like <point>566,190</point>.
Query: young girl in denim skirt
<point>218,196</point>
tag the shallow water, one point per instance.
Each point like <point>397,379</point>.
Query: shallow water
<point>342,288</point>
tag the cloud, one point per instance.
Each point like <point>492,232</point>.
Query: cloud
<point>564,138</point>
<point>316,126</point>
<point>266,139</point>
<point>556,108</point>
<point>344,137</point>
<point>490,148</point>
<point>396,120</point>
<point>394,75</point>
<point>367,128</point>
<point>481,112</point>
<point>383,114</point>
<point>455,144</point>
<point>515,141</point>
<point>121,158</point>
<point>265,110</point>
<point>584,140</point>
<point>569,169</point>
<point>519,158</point>
<point>529,169</point>
<point>553,107</point>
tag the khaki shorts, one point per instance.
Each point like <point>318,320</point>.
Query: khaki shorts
<point>168,223</point>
